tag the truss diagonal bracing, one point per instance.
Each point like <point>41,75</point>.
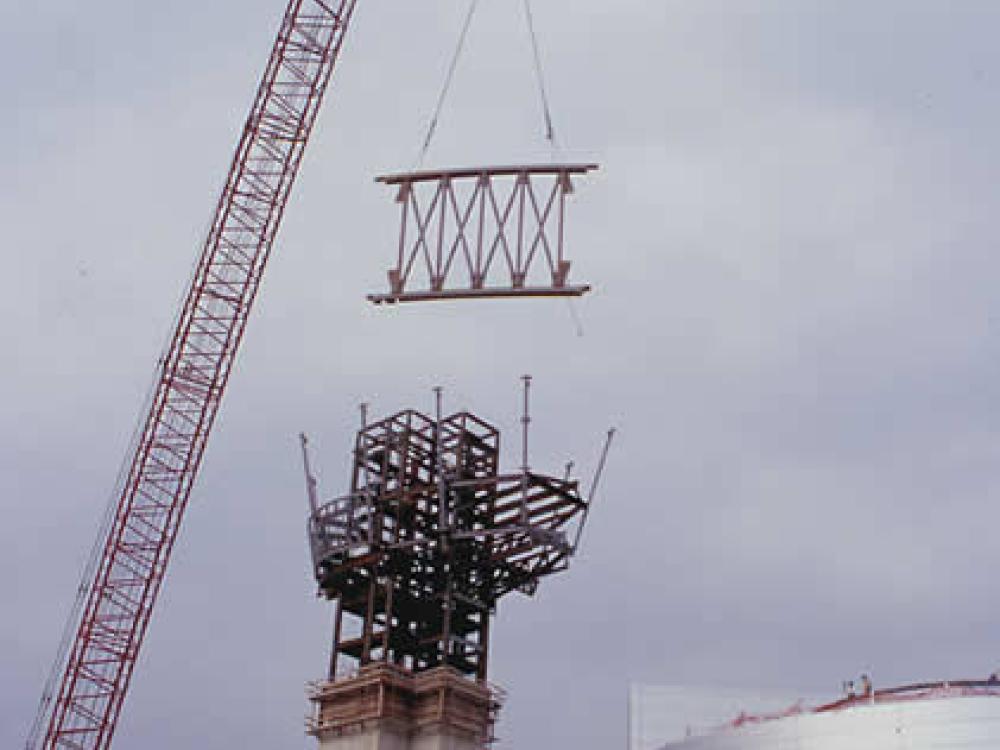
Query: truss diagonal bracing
<point>193,376</point>
<point>483,232</point>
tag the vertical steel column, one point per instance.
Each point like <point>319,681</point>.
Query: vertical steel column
<point>337,623</point>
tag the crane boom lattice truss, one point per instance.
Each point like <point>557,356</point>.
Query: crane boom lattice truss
<point>193,376</point>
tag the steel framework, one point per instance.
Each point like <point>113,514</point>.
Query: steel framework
<point>467,223</point>
<point>192,377</point>
<point>430,537</point>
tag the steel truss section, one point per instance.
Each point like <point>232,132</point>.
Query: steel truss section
<point>430,537</point>
<point>483,232</point>
<point>193,376</point>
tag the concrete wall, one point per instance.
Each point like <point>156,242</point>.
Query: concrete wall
<point>385,739</point>
<point>443,741</point>
<point>385,707</point>
<point>375,738</point>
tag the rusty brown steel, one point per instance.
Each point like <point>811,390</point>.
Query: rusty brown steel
<point>419,552</point>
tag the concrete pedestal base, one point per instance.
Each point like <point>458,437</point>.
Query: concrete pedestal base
<point>385,707</point>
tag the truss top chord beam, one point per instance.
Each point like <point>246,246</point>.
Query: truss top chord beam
<point>427,175</point>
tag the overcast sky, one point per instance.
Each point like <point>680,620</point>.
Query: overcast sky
<point>793,324</point>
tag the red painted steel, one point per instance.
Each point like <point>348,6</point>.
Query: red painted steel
<point>458,226</point>
<point>193,375</point>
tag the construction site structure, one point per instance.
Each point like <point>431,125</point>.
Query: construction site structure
<point>431,534</point>
<point>416,557</point>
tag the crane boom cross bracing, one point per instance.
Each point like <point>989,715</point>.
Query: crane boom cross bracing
<point>193,375</point>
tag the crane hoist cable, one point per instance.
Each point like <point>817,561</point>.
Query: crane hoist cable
<point>550,131</point>
<point>449,77</point>
<point>548,122</point>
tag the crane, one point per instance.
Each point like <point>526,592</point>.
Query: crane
<point>116,604</point>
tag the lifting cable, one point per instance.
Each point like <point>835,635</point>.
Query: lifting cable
<point>432,126</point>
<point>550,132</point>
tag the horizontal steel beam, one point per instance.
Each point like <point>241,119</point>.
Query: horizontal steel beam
<point>497,171</point>
<point>498,293</point>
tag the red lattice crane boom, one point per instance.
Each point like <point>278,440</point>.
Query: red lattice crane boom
<point>191,379</point>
